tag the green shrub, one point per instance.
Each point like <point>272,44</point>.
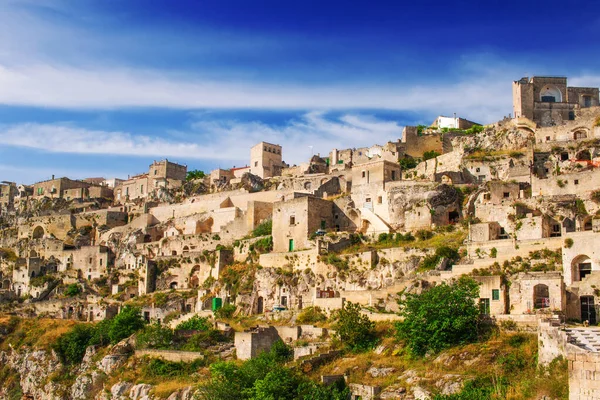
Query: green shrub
<point>196,323</point>
<point>225,312</point>
<point>493,252</point>
<point>72,290</point>
<point>430,154</point>
<point>155,336</point>
<point>569,243</point>
<point>263,229</point>
<point>157,367</point>
<point>440,317</point>
<point>311,315</point>
<point>195,174</point>
<point>407,163</point>
<point>71,346</point>
<point>424,234</point>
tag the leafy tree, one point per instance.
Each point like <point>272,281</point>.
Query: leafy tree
<point>125,324</point>
<point>195,174</point>
<point>71,346</point>
<point>440,317</point>
<point>353,329</point>
<point>155,336</point>
<point>279,384</point>
<point>196,323</point>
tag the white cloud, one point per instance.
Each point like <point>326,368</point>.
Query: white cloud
<point>210,139</point>
<point>76,88</point>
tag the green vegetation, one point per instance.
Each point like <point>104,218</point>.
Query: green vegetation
<point>262,246</point>
<point>8,254</point>
<point>266,378</point>
<point>263,229</point>
<point>431,261</point>
<point>41,280</point>
<point>596,196</point>
<point>355,331</point>
<point>341,264</point>
<point>195,174</point>
<point>442,316</point>
<point>72,290</point>
<point>71,346</point>
<point>155,336</point>
<point>568,243</point>
<point>407,163</point>
<point>196,323</point>
<point>311,315</point>
<point>225,312</point>
<point>430,154</point>
<point>157,367</point>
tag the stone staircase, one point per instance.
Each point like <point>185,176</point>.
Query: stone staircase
<point>585,338</point>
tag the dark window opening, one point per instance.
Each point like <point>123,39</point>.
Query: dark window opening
<point>506,195</point>
<point>548,99</point>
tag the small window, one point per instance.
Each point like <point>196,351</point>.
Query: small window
<point>90,260</point>
<point>506,195</point>
<point>141,188</point>
<point>547,138</point>
<point>564,156</point>
<point>364,174</point>
<point>379,200</point>
<point>393,175</point>
<point>100,262</point>
<point>477,169</point>
<point>487,196</point>
<point>292,220</point>
<point>576,182</point>
<point>155,172</point>
<point>495,294</point>
<point>256,163</point>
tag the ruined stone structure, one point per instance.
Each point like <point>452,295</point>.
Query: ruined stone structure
<point>266,160</point>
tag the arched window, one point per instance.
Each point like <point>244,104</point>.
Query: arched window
<point>541,296</point>
<point>550,94</point>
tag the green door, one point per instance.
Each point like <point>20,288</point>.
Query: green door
<point>291,248</point>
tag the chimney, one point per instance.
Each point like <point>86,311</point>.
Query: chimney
<point>52,176</point>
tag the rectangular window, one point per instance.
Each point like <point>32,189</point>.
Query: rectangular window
<point>364,174</point>
<point>495,294</point>
<point>547,138</point>
<point>141,188</point>
<point>506,195</point>
<point>484,306</point>
<point>323,224</point>
<point>379,200</point>
<point>576,181</point>
<point>393,175</point>
<point>292,220</point>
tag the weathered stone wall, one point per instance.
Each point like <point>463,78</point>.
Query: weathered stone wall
<point>170,355</point>
<point>522,293</point>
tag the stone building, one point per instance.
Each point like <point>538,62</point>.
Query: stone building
<point>549,101</point>
<point>56,188</point>
<point>8,192</point>
<point>294,221</point>
<point>530,291</point>
<point>492,295</point>
<point>414,144</point>
<point>266,160</point>
<point>161,175</point>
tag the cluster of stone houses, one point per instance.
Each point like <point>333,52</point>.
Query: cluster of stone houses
<point>512,212</point>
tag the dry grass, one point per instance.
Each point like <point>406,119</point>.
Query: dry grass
<point>40,333</point>
<point>164,389</point>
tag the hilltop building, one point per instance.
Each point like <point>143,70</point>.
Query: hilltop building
<point>548,101</point>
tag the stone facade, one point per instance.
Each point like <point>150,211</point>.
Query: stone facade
<point>548,101</point>
<point>266,160</point>
<point>161,175</point>
<point>296,220</point>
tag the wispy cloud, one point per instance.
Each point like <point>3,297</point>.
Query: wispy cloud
<point>210,139</point>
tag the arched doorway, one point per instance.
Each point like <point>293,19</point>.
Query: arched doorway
<point>174,252</point>
<point>568,225</point>
<point>173,285</point>
<point>581,267</point>
<point>38,232</point>
<point>550,94</point>
<point>541,296</point>
<point>587,224</point>
<point>33,253</point>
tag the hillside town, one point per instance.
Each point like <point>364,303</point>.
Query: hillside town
<point>514,205</point>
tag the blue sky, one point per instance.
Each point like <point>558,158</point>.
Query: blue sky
<point>103,87</point>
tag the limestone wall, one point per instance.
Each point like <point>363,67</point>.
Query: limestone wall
<point>170,355</point>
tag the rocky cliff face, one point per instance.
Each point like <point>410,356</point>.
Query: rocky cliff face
<point>42,376</point>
